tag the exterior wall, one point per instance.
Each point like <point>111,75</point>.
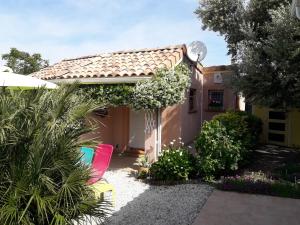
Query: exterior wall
<point>191,121</point>
<point>295,127</point>
<point>171,124</point>
<point>112,129</point>
<point>178,121</point>
<point>292,132</point>
<point>229,98</point>
<point>151,133</point>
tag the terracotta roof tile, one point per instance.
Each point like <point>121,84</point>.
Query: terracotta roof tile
<point>117,64</point>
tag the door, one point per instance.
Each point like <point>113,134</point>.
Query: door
<point>137,129</point>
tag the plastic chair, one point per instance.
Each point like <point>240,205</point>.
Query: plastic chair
<point>101,162</point>
<point>101,187</point>
<point>88,154</point>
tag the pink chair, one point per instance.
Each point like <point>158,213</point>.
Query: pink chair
<point>101,162</point>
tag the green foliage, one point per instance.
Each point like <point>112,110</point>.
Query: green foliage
<point>263,38</point>
<point>166,88</point>
<point>24,63</point>
<point>142,161</point>
<point>173,165</point>
<point>42,180</point>
<point>269,69</point>
<point>217,150</point>
<point>241,126</point>
<point>143,174</point>
<point>225,17</point>
<point>236,20</point>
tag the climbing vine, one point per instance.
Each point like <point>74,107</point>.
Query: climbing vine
<point>166,88</point>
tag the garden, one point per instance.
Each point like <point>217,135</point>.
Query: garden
<point>228,156</point>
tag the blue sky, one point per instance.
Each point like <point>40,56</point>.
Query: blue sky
<point>61,29</point>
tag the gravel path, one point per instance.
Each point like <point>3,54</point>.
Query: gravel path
<point>142,204</point>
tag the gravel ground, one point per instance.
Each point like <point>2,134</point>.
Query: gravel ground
<point>143,204</point>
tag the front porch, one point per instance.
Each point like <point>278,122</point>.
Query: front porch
<point>131,132</point>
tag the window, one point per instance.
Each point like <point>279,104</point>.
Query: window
<point>192,100</point>
<point>277,115</point>
<point>215,100</point>
<point>277,127</point>
<point>102,112</point>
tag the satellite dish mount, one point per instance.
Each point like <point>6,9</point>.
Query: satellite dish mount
<point>196,51</point>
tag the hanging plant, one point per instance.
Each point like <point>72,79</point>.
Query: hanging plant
<point>166,88</point>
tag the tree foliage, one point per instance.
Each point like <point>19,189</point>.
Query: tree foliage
<point>237,20</point>
<point>24,63</point>
<point>263,40</point>
<point>270,69</point>
<point>42,180</point>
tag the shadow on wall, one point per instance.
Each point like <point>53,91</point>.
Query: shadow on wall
<point>171,124</point>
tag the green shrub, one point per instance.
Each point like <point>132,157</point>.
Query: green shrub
<point>42,180</point>
<point>217,150</point>
<point>174,164</point>
<point>242,126</point>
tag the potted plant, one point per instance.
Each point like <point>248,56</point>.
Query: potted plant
<point>144,165</point>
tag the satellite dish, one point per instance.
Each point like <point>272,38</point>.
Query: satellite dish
<point>196,51</point>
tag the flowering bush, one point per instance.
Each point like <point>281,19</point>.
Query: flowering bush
<point>166,88</point>
<point>175,163</point>
<point>259,183</point>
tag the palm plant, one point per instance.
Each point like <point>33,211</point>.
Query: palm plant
<point>42,180</point>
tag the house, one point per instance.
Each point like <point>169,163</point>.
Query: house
<point>280,127</point>
<point>148,130</point>
<point>218,96</point>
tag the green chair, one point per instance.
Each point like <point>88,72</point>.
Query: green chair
<point>87,155</point>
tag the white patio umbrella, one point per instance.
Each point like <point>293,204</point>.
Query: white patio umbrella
<point>18,81</point>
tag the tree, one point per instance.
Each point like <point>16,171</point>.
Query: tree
<point>262,39</point>
<point>24,63</point>
<point>270,69</point>
<point>42,180</point>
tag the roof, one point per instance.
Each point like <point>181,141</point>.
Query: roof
<point>211,69</point>
<point>133,63</point>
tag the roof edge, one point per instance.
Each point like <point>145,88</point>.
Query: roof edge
<point>105,54</point>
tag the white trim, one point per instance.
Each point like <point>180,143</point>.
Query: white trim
<point>158,148</point>
<point>103,80</point>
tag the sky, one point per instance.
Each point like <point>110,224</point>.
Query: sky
<point>60,29</point>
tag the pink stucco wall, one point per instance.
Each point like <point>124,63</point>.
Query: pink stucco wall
<point>151,137</point>
<point>230,98</point>
<point>112,129</point>
<point>178,121</point>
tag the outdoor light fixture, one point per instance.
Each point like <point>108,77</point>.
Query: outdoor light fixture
<point>296,8</point>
